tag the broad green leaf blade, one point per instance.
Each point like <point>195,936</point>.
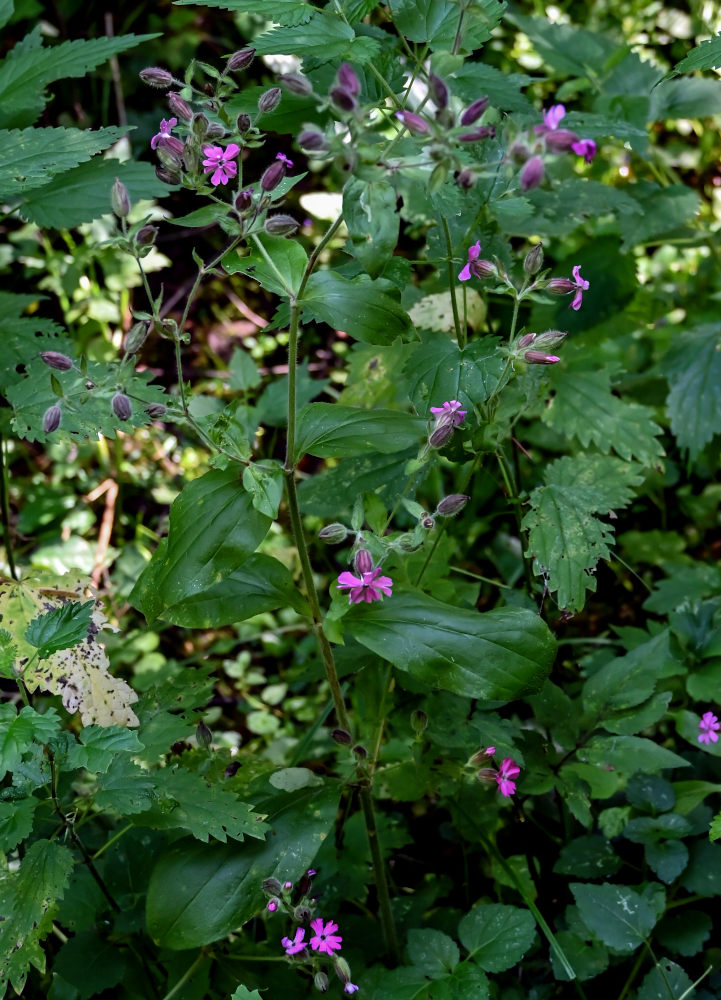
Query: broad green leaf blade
<point>285,12</point>
<point>707,55</point>
<point>497,937</point>
<point>437,370</point>
<point>618,915</point>
<point>6,11</point>
<point>242,992</point>
<point>102,744</point>
<point>92,964</point>
<point>18,730</point>
<point>199,893</point>
<point>265,485</point>
<point>60,628</point>
<point>329,430</point>
<point>497,656</point>
<point>30,157</point>
<point>628,754</point>
<point>363,308</point>
<point>16,821</point>
<point>627,680</point>
<point>432,952</point>
<point>372,219</point>
<point>666,980</point>
<point>289,261</point>
<point>693,370</point>
<point>323,37</point>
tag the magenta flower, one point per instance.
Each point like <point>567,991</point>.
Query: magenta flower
<point>220,162</point>
<point>366,587</point>
<point>474,253</point>
<point>284,159</point>
<point>581,287</point>
<point>272,906</point>
<point>707,728</point>
<point>551,119</point>
<point>325,937</point>
<point>350,988</point>
<point>508,770</point>
<point>297,944</point>
<point>450,409</point>
<point>585,148</point>
<point>166,126</point>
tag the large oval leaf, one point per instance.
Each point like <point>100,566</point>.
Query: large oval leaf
<point>199,893</point>
<point>361,307</point>
<point>498,655</point>
<point>330,430</point>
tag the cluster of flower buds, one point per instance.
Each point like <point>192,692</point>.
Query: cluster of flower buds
<point>503,775</point>
<point>446,418</point>
<point>548,137</point>
<point>346,89</point>
<point>534,348</point>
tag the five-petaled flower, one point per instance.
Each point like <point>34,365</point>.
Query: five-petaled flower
<point>325,938</point>
<point>474,253</point>
<point>551,119</point>
<point>220,162</point>
<point>508,770</point>
<point>450,409</point>
<point>581,287</point>
<point>297,944</point>
<point>707,728</point>
<point>366,587</point>
<point>166,127</point>
<point>585,148</point>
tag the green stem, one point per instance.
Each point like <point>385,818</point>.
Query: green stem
<point>379,872</point>
<point>5,512</point>
<point>186,976</point>
<point>428,558</point>
<point>112,840</point>
<point>459,32</point>
<point>460,331</point>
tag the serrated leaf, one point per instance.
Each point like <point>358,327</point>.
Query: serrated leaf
<point>707,55</point>
<point>286,273</point>
<point>438,370</point>
<point>125,788</point>
<point>629,754</point>
<point>372,219</point>
<point>330,430</point>
<point>100,745</point>
<point>286,12</point>
<point>30,157</point>
<point>588,857</point>
<point>8,653</point>
<point>90,963</point>
<point>569,49</point>
<point>684,933</point>
<point>243,371</point>
<point>324,37</point>
<point>432,952</point>
<point>242,992</point>
<point>693,370</point>
<point>666,980</point>
<point>496,936</point>
<point>60,628</point>
<point>16,821</point>
<point>665,211</point>
<point>618,915</point>
<point>18,731</point>
<point>584,407</point>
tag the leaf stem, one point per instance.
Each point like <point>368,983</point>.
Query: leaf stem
<point>186,976</point>
<point>379,873</point>
<point>460,330</point>
<point>5,512</point>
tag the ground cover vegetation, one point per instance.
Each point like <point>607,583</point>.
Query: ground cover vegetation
<point>360,610</point>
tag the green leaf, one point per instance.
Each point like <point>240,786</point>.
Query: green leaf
<point>568,49</point>
<point>8,653</point>
<point>499,655</point>
<point>432,952</point>
<point>684,933</point>
<point>618,915</point>
<point>703,875</point>
<point>102,744</point>
<point>628,754</point>
<point>242,992</point>
<point>372,219</point>
<point>587,959</point>
<point>125,788</point>
<point>283,277</point>
<point>265,484</point>
<point>667,859</point>
<point>666,980</point>
<point>285,12</point>
<point>60,628</point>
<point>690,98</point>
<point>323,38</point>
<point>666,211</point>
<point>362,308</point>
<point>584,407</point>
<point>588,857</point>
<point>496,936</point>
<point>90,963</point>
<point>16,821</point>
<point>6,11</point>
<point>437,370</point>
<point>628,680</point>
<point>693,370</point>
<point>199,893</point>
<point>30,157</point>
<point>28,897</point>
<point>19,731</point>
<point>243,371</point>
<point>707,55</point>
<point>329,430</point>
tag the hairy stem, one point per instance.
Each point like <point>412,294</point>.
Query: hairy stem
<point>460,329</point>
<point>5,512</point>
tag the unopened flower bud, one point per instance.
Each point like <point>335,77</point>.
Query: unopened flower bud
<point>54,359</point>
<point>441,434</point>
<point>519,151</point>
<point>243,201</point>
<point>363,562</point>
<point>120,199</point>
<point>539,358</point>
<point>409,542</point>
<point>304,886</point>
<point>136,337</point>
<point>156,411</point>
<point>561,286</point>
<point>480,268</point>
<point>465,178</point>
<point>550,338</point>
<point>167,176</point>
<point>203,735</point>
<point>341,737</point>
<point>414,123</point>
<point>274,174</point>
<point>419,721</point>
<point>342,969</point>
<point>156,77</point>
<point>439,91</point>
<point>296,83</point>
<point>428,522</point>
<point>343,98</point>
<point>486,775</point>
<point>533,261</point>
<point>481,755</point>
<point>242,123</point>
<point>527,339</point>
<point>474,111</point>
<point>273,904</point>
<point>360,751</point>
<point>240,60</point>
<point>532,173</point>
<point>560,140</point>
<point>281,225</point>
<point>200,125</point>
<point>232,769</point>
<point>269,100</point>
<point>179,107</point>
<point>271,886</point>
<point>51,419</point>
<point>121,406</point>
<point>452,504</point>
<point>312,140</point>
<point>348,78</point>
<point>145,236</point>
<point>482,132</point>
<point>333,533</point>
<point>170,156</point>
<point>320,981</point>
<point>439,176</point>
<point>302,913</point>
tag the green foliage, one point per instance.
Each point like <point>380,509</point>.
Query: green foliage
<point>61,628</point>
<point>362,308</point>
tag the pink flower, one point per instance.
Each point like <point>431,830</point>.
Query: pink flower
<point>297,944</point>
<point>283,159</point>
<point>350,988</point>
<point>551,119</point>
<point>366,587</point>
<point>707,728</point>
<point>451,408</point>
<point>581,286</point>
<point>220,162</point>
<point>585,148</point>
<point>272,906</point>
<point>166,127</point>
<point>325,939</point>
<point>508,770</point>
<point>474,253</point>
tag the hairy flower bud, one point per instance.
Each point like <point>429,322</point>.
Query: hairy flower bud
<point>439,91</point>
<point>51,419</point>
<point>203,735</point>
<point>312,140</point>
<point>240,60</point>
<point>341,737</point>
<point>243,123</point>
<point>519,151</point>
<point>156,411</point>
<point>200,126</point>
<point>136,337</point>
<point>551,338</point>
<point>561,286</point>
<point>482,132</point>
<point>281,225</point>
<point>180,108</point>
<point>414,123</point>
<point>334,533</point>
<point>527,339</point>
<point>486,775</point>
<point>348,79</point>
<point>271,886</point>
<point>360,751</point>
<point>560,140</point>
<point>428,522</point>
<point>243,201</point>
<point>481,268</point>
<point>465,178</point>
<point>452,504</point>
<point>274,174</point>
<point>539,358</point>
<point>320,981</point>
<point>343,98</point>
<point>296,83</point>
<point>533,261</point>
<point>145,236</point>
<point>120,199</point>
<point>156,77</point>
<point>441,434</point>
<point>481,755</point>
<point>474,111</point>
<point>121,406</point>
<point>269,100</point>
<point>363,562</point>
<point>170,156</point>
<point>302,913</point>
<point>54,359</point>
<point>419,721</point>
<point>532,173</point>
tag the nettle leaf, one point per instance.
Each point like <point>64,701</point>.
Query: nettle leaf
<point>330,430</point>
<point>438,370</point>
<point>361,307</point>
<point>60,628</point>
<point>566,48</point>
<point>665,980</point>
<point>100,745</point>
<point>505,90</point>
<point>584,407</point>
<point>16,821</point>
<point>693,97</point>
<point>618,915</point>
<point>499,655</point>
<point>372,219</point>
<point>432,952</point>
<point>19,730</point>
<point>28,897</point>
<point>289,264</point>
<point>90,963</point>
<point>693,370</point>
<point>707,55</point>
<point>324,37</point>
<point>496,936</point>
<point>560,208</point>
<point>242,992</point>
<point>666,212</point>
<point>286,12</point>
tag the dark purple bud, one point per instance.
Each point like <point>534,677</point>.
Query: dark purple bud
<point>414,123</point>
<point>156,77</point>
<point>360,751</point>
<point>232,769</point>
<point>203,735</point>
<point>243,123</point>
<point>51,419</point>
<point>275,173</point>
<point>561,286</point>
<point>167,176</point>
<point>120,199</point>
<point>474,111</point>
<point>539,358</point>
<point>439,91</point>
<point>121,406</point>
<point>270,100</point>
<point>348,79</point>
<point>343,98</point>
<point>341,737</point>
<point>215,131</point>
<point>296,83</point>
<point>301,913</point>
<point>243,201</point>
<point>54,359</point>
<point>559,140</point>
<point>281,225</point>
<point>179,107</point>
<point>452,504</point>
<point>526,340</point>
<point>428,523</point>
<point>145,236</point>
<point>441,434</point>
<point>272,886</point>
<point>465,178</point>
<point>156,411</point>
<point>533,261</point>
<point>312,140</point>
<point>363,562</point>
<point>480,268</point>
<point>532,173</point>
<point>482,132</point>
<point>519,151</point>
<point>136,337</point>
<point>170,157</point>
<point>240,60</point>
<point>334,533</point>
